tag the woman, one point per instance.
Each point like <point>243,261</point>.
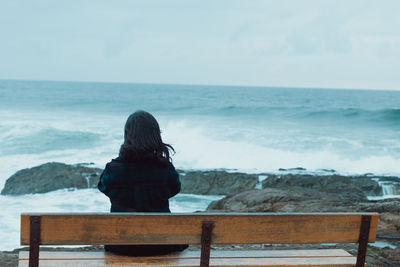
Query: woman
<point>142,178</point>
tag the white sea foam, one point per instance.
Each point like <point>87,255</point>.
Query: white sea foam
<point>84,200</point>
<point>200,144</point>
<point>199,147</point>
<point>382,244</point>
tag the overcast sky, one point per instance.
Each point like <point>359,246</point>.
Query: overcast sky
<point>336,44</point>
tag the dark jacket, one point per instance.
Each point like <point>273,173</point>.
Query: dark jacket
<point>140,186</point>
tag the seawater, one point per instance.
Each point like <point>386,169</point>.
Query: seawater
<point>249,129</point>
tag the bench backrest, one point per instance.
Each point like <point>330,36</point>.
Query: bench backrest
<point>228,228</point>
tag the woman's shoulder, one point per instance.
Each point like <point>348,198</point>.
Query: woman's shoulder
<point>119,164</point>
<point>115,164</point>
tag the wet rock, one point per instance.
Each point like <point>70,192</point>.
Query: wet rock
<point>293,169</point>
<point>356,186</point>
<point>216,182</point>
<point>49,177</point>
<point>369,186</point>
<point>298,199</point>
<point>389,215</point>
<point>53,176</point>
<point>389,179</point>
<point>295,199</point>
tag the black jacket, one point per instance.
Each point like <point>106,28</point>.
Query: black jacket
<point>140,186</point>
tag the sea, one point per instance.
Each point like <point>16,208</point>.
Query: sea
<point>236,128</point>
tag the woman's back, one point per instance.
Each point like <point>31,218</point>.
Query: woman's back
<point>142,178</point>
<point>140,185</point>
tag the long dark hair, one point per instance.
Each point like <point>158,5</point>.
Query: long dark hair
<point>142,140</point>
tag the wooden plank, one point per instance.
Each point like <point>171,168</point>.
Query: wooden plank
<point>373,228</point>
<point>24,255</point>
<point>149,228</point>
<point>341,261</point>
<point>191,258</point>
<point>337,261</point>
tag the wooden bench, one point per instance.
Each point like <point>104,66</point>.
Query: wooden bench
<point>198,228</point>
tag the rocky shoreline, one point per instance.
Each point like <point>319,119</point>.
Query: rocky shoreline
<point>54,176</point>
<point>289,190</point>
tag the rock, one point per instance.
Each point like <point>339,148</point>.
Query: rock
<point>216,182</point>
<point>292,169</point>
<point>53,176</point>
<point>49,177</point>
<point>387,256</point>
<point>389,215</point>
<point>389,179</point>
<point>328,170</point>
<point>356,186</point>
<point>391,205</point>
<point>295,199</point>
<point>369,186</point>
<point>298,199</point>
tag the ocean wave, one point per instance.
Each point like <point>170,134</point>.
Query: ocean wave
<point>392,114</point>
<point>199,147</point>
<point>23,139</point>
<point>212,143</point>
<point>389,116</point>
<point>382,116</point>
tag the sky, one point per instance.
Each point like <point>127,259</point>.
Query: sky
<point>307,43</point>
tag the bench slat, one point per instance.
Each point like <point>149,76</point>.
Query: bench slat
<point>270,258</point>
<point>24,255</point>
<point>314,262</point>
<point>123,228</point>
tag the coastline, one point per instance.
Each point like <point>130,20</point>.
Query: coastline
<point>339,193</point>
<point>52,176</point>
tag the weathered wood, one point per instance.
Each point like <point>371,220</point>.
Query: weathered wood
<point>34,240</point>
<point>323,257</point>
<point>206,235</point>
<point>148,228</point>
<point>363,240</point>
<point>314,262</point>
<point>245,228</point>
<point>23,255</point>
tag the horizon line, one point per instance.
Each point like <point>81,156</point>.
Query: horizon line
<point>216,85</point>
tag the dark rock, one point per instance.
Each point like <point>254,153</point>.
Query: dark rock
<point>389,179</point>
<point>327,183</point>
<point>328,170</point>
<point>53,176</point>
<point>49,177</point>
<point>292,169</point>
<point>216,182</point>
<point>385,205</point>
<point>389,215</point>
<point>298,199</point>
<point>369,186</point>
<point>297,169</point>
